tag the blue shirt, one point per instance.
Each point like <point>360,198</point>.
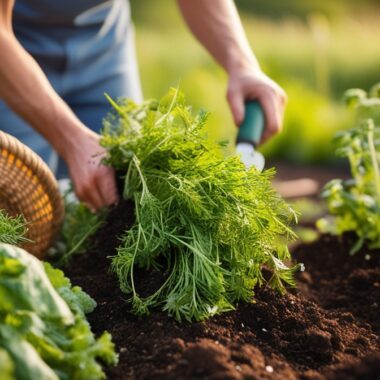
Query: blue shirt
<point>58,13</point>
<point>61,32</point>
<point>85,48</point>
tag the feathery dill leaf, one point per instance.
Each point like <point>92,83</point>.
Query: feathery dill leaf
<point>215,223</point>
<point>12,229</point>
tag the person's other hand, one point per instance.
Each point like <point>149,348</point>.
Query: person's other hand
<point>94,183</point>
<point>253,84</point>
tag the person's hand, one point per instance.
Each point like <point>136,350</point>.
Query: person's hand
<point>94,183</point>
<point>253,84</point>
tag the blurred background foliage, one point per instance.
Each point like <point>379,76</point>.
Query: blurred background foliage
<point>315,49</point>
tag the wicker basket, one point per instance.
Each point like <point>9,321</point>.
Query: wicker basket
<point>28,187</point>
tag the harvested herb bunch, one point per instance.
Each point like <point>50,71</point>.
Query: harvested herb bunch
<point>215,223</point>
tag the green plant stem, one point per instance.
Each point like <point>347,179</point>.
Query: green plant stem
<point>78,245</point>
<point>375,163</point>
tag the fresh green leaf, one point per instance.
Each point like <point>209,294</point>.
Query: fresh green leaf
<point>78,301</point>
<point>6,365</point>
<point>43,336</point>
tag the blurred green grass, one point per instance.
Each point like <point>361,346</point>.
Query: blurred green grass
<point>314,50</point>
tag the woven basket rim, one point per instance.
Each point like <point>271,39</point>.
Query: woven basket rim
<point>27,170</point>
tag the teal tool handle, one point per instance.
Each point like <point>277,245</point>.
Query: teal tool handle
<point>252,127</point>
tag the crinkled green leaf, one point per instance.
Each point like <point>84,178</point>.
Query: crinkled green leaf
<point>30,288</point>
<point>75,297</point>
<point>28,364</point>
<point>42,324</point>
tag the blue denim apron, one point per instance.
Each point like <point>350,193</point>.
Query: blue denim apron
<point>85,48</point>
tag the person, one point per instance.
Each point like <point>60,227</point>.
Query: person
<point>57,58</point>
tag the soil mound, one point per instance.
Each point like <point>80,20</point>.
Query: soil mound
<point>328,329</point>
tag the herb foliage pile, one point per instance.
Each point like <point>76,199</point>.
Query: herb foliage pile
<point>355,203</point>
<point>202,219</point>
<point>12,229</point>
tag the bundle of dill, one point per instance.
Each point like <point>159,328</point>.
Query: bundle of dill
<point>215,223</point>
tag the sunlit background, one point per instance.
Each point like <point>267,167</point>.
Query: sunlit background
<point>315,49</point>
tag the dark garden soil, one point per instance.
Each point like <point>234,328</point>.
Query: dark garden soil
<point>326,329</point>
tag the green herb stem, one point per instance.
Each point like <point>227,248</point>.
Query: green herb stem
<point>375,163</point>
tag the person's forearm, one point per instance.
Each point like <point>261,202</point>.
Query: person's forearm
<point>26,90</point>
<point>218,27</point>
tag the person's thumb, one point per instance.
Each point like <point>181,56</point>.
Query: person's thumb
<point>235,99</point>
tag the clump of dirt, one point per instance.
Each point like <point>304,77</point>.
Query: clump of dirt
<point>338,281</point>
<point>366,369</point>
<point>302,335</point>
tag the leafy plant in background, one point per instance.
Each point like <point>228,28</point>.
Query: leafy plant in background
<point>214,224</point>
<point>79,225</point>
<point>355,203</point>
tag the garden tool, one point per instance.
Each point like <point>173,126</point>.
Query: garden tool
<point>249,135</point>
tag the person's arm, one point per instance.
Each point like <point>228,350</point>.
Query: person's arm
<point>217,26</point>
<point>25,89</point>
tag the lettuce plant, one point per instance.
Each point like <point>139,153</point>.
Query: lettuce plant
<point>355,203</point>
<point>43,331</point>
<point>202,219</point>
